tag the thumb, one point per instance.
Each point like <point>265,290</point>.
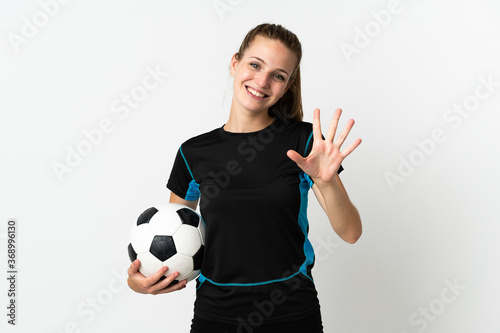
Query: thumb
<point>296,157</point>
<point>134,267</point>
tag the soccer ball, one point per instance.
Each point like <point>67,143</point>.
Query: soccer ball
<point>170,235</point>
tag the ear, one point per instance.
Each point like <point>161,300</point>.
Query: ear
<point>234,63</point>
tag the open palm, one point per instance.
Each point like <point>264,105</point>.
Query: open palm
<point>325,158</point>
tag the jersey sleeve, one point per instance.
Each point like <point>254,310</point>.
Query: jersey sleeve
<point>181,180</point>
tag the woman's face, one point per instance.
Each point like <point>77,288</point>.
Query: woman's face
<point>262,75</point>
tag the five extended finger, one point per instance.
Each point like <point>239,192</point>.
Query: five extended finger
<point>349,149</point>
<point>296,157</point>
<point>317,126</point>
<point>332,129</point>
<point>344,133</point>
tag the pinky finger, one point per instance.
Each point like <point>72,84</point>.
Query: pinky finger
<point>350,149</point>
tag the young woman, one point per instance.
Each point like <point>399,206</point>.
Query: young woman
<point>251,178</point>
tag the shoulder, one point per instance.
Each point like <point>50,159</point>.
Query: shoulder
<point>299,134</point>
<point>297,125</point>
<point>201,139</point>
<point>300,129</point>
<point>304,127</point>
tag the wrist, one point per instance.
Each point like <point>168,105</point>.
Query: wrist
<point>326,185</point>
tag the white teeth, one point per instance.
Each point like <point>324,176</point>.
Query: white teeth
<point>255,93</point>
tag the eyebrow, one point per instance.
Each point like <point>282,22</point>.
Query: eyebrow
<point>279,69</point>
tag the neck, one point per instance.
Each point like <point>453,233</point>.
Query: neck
<point>245,123</point>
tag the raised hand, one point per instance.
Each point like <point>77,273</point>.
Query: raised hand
<point>325,158</point>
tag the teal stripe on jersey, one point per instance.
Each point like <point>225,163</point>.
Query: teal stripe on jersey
<point>185,161</point>
<point>304,223</point>
<point>203,278</point>
<point>307,144</point>
<point>193,192</point>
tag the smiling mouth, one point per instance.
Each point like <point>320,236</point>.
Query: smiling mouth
<point>256,93</point>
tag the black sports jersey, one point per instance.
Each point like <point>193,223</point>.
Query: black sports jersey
<point>257,257</point>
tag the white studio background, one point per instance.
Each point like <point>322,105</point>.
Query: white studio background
<point>421,79</point>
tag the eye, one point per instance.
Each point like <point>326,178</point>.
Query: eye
<point>279,77</point>
<point>254,65</point>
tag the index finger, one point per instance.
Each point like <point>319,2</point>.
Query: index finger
<point>156,276</point>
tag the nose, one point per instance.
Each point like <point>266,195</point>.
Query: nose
<point>262,79</point>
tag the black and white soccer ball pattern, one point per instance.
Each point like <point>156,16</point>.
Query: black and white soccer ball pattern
<point>171,235</point>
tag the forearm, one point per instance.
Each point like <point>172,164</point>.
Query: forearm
<point>342,214</point>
